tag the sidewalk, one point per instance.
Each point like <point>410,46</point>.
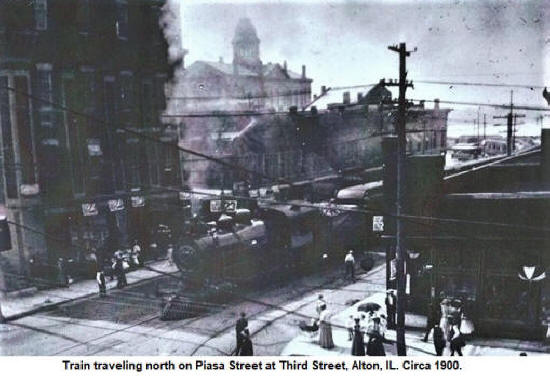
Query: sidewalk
<point>307,344</point>
<point>14,308</point>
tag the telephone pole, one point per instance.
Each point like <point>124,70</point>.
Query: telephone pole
<point>484,127</point>
<point>401,160</point>
<point>510,125</point>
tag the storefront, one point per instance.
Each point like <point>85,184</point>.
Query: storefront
<point>499,284</point>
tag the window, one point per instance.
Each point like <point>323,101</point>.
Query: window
<point>126,96</point>
<point>44,84</point>
<point>88,89</point>
<point>83,16</point>
<point>26,149</point>
<point>7,142</point>
<point>147,104</point>
<point>74,134</point>
<point>121,19</point>
<point>159,95</point>
<point>41,14</point>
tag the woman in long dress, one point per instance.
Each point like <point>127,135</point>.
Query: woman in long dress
<point>358,346</point>
<point>444,323</point>
<point>375,346</point>
<point>325,329</point>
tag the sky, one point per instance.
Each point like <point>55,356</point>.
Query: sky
<point>345,43</point>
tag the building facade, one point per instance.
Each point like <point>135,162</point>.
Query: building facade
<point>244,84</point>
<point>479,240</point>
<point>80,82</point>
<point>304,145</point>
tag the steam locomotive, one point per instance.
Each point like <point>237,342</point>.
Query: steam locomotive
<point>278,243</point>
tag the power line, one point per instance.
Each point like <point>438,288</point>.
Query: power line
<point>520,107</point>
<point>485,84</point>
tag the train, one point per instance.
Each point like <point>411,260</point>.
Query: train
<point>270,244</point>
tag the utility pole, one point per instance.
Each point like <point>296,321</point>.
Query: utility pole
<point>510,125</point>
<point>478,123</point>
<point>401,160</point>
<point>484,127</point>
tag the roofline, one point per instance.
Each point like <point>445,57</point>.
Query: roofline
<point>492,162</point>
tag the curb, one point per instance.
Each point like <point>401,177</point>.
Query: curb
<point>51,306</point>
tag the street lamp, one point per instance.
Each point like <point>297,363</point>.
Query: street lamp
<point>413,255</point>
<point>531,273</point>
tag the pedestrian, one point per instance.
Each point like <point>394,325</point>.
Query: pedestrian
<point>135,258</point>
<point>438,338</point>
<point>375,346</point>
<point>242,324</point>
<point>350,325</point>
<point>320,302</point>
<point>136,248</point>
<point>170,254</point>
<point>358,346</point>
<point>120,272</point>
<point>434,317</point>
<point>136,255</point>
<point>391,308</point>
<point>62,277</point>
<point>246,345</point>
<point>446,317</point>
<point>325,329</point>
<point>349,261</point>
<point>457,340</point>
<point>467,327</point>
<point>102,285</point>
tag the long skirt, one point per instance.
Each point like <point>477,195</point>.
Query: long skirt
<point>325,336</point>
<point>445,326</point>
<point>358,346</point>
<point>375,347</point>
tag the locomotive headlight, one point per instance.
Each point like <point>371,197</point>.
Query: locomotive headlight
<point>253,242</point>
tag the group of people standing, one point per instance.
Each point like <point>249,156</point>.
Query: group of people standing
<point>369,327</point>
<point>448,324</point>
<point>121,263</point>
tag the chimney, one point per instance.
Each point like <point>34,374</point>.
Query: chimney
<point>323,89</point>
<point>284,66</point>
<point>545,157</point>
<point>314,110</point>
<point>221,59</point>
<point>436,104</point>
<point>422,103</point>
<point>359,97</point>
<point>303,71</point>
<point>346,97</point>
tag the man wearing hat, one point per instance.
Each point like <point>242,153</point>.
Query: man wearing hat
<point>391,308</point>
<point>350,265</point>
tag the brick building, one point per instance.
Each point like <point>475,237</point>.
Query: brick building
<point>244,84</point>
<point>72,75</point>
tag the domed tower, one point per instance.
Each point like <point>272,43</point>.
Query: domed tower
<point>246,46</point>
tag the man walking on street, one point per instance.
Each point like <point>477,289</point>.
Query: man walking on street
<point>242,324</point>
<point>434,316</point>
<point>102,285</point>
<point>120,273</point>
<point>350,265</point>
